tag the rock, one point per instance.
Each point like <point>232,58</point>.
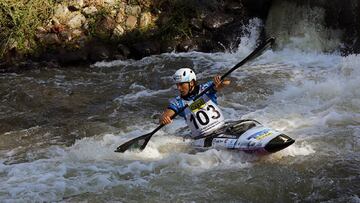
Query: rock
<point>108,23</point>
<point>50,38</point>
<point>57,28</point>
<point>121,7</point>
<point>66,35</point>
<point>235,7</point>
<point>110,2</point>
<point>168,46</point>
<point>61,13</point>
<point>113,13</point>
<point>123,50</point>
<point>105,27</point>
<point>147,48</point>
<point>118,31</point>
<point>133,10</point>
<point>99,52</point>
<point>217,20</point>
<point>131,22</point>
<point>55,21</point>
<point>91,10</point>
<point>76,21</point>
<point>186,46</point>
<point>77,33</point>
<point>145,19</point>
<point>75,5</point>
<point>227,37</point>
<point>208,45</point>
<point>146,3</point>
<point>41,30</point>
<point>120,17</point>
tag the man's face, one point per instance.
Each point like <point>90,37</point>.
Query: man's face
<point>184,87</point>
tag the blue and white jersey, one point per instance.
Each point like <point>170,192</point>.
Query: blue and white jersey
<point>203,116</point>
<point>178,102</point>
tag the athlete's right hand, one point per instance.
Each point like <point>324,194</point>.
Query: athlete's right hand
<point>165,119</point>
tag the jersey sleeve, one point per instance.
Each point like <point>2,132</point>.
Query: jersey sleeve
<point>175,104</point>
<point>211,93</point>
<point>206,85</point>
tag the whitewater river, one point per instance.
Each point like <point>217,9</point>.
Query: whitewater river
<point>59,128</point>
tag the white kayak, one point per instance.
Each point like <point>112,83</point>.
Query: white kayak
<point>244,135</point>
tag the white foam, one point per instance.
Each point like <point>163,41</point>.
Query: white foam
<point>105,64</point>
<point>91,165</point>
<point>131,97</point>
<point>303,149</point>
<point>306,31</point>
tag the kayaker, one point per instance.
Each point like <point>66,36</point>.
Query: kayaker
<point>202,116</point>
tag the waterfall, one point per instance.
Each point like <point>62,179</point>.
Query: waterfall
<point>302,26</point>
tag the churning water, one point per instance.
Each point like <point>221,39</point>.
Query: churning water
<point>59,128</point>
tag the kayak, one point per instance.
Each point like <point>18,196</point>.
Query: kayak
<point>244,135</point>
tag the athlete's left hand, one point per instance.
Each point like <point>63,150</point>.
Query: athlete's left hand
<point>218,84</point>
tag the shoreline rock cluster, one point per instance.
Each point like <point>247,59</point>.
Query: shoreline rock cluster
<point>86,31</point>
<point>83,31</point>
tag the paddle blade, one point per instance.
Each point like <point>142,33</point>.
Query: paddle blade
<point>136,143</point>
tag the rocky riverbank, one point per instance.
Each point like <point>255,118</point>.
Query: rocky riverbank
<point>84,31</point>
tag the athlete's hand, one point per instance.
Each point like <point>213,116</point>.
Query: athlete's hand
<point>165,119</point>
<point>217,81</point>
<point>218,84</point>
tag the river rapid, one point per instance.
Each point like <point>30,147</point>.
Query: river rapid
<point>59,128</point>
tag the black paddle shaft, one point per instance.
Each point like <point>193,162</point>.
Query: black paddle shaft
<point>148,136</point>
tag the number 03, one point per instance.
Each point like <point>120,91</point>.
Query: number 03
<point>202,117</point>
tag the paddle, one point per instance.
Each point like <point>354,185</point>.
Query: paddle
<point>144,139</point>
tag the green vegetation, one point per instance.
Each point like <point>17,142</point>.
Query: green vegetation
<point>173,23</point>
<point>98,23</point>
<point>177,23</point>
<point>19,20</point>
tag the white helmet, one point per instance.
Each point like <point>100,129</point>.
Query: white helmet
<point>184,75</point>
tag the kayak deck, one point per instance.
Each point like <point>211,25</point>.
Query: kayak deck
<point>244,135</point>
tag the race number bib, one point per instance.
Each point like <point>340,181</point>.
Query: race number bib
<point>203,116</point>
